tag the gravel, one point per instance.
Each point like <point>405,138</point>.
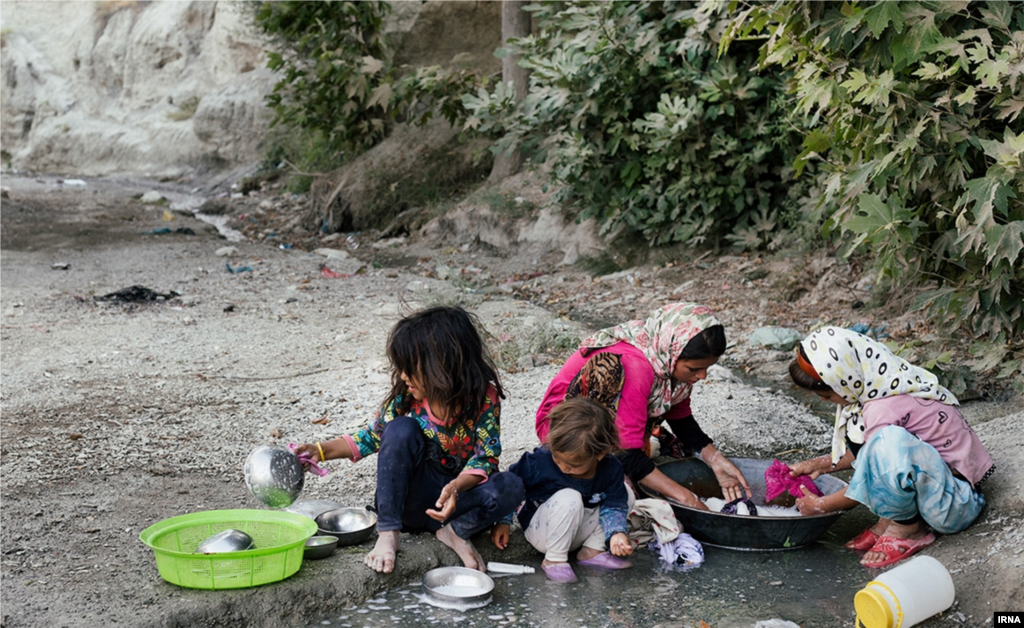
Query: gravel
<point>117,416</point>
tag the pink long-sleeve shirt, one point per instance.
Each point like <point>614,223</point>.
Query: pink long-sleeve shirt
<point>638,379</point>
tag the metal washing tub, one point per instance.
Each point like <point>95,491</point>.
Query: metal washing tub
<point>740,532</point>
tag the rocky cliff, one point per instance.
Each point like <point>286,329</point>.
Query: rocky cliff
<point>166,88</point>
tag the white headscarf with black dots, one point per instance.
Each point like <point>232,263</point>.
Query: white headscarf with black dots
<point>859,370</point>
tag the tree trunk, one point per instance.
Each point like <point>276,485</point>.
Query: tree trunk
<point>515,22</point>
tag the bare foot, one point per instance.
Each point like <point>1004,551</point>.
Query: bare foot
<point>586,553</point>
<point>382,557</point>
<point>913,532</point>
<point>470,557</point>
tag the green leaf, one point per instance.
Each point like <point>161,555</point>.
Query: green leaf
<point>1005,242</point>
<point>875,215</point>
<point>998,14</point>
<point>879,15</point>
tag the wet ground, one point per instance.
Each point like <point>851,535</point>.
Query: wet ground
<point>812,586</point>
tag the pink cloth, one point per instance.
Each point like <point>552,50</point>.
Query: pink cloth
<point>936,423</point>
<point>778,481</point>
<point>638,379</point>
<point>308,463</point>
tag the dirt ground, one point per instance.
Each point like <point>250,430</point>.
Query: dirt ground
<point>116,416</point>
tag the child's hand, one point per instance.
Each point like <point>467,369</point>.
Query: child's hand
<point>445,503</point>
<point>307,448</point>
<point>807,467</point>
<point>619,544</point>
<point>810,504</point>
<point>500,534</point>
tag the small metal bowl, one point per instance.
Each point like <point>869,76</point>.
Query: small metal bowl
<point>320,546</point>
<point>350,525</point>
<point>226,541</point>
<point>312,507</point>
<point>458,587</point>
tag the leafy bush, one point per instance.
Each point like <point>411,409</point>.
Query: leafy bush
<point>335,60</point>
<point>339,82</point>
<point>916,106</point>
<point>646,129</point>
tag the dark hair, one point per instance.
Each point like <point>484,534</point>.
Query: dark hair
<point>442,347</point>
<point>802,379</point>
<point>582,427</point>
<point>709,342</point>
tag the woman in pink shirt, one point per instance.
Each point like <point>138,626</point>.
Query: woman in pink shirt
<point>644,372</point>
<point>917,462</point>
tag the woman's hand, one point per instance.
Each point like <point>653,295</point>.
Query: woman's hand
<point>446,502</point>
<point>729,477</point>
<point>619,544</point>
<point>500,534</point>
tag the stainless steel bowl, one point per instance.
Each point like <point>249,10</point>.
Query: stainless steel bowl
<point>226,541</point>
<point>312,508</point>
<point>320,546</point>
<point>350,525</point>
<point>274,475</point>
<point>458,587</point>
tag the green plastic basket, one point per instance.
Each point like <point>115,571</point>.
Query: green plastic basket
<point>279,539</point>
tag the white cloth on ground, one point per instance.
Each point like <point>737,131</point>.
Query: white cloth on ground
<point>682,553</point>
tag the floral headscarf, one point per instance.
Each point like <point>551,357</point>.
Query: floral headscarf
<point>860,369</point>
<point>662,338</point>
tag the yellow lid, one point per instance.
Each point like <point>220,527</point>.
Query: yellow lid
<point>873,610</point>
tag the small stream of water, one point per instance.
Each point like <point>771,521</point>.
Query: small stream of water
<point>813,586</point>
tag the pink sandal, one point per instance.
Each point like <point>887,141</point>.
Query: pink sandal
<point>605,560</point>
<point>896,549</point>
<point>863,541</point>
<point>561,573</point>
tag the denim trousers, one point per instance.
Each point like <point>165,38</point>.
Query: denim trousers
<point>408,485</point>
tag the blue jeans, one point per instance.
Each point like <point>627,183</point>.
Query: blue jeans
<point>898,476</point>
<point>408,485</point>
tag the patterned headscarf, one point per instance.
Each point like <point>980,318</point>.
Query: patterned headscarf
<point>662,338</point>
<point>860,369</point>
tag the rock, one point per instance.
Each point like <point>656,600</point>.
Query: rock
<point>215,207</point>
<point>332,253</point>
<point>233,119</point>
<point>572,255</point>
<point>151,197</point>
<point>778,338</point>
<point>718,373</point>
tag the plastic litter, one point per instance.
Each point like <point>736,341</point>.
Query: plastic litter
<point>508,568</point>
<point>161,230</point>
<point>905,595</point>
<point>238,269</point>
<point>136,294</point>
<point>327,273</point>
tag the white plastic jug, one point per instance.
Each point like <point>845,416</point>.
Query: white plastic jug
<point>905,595</point>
